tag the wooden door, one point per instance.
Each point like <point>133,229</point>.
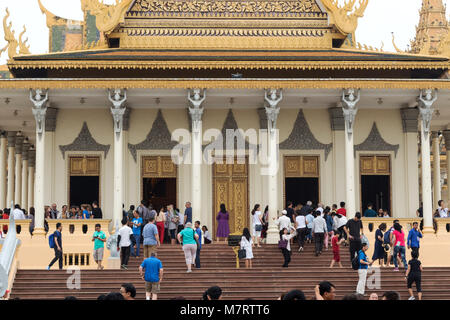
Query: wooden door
<point>230,185</point>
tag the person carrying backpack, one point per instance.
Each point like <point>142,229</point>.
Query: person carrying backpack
<point>55,242</point>
<point>362,270</point>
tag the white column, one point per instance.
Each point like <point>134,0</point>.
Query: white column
<point>426,100</point>
<point>31,164</point>
<point>272,98</point>
<point>410,117</point>
<point>3,157</point>
<point>436,169</point>
<point>196,111</point>
<point>349,102</point>
<point>11,167</point>
<point>24,201</point>
<point>118,98</point>
<point>39,111</point>
<point>446,134</point>
<point>18,181</point>
<point>338,139</point>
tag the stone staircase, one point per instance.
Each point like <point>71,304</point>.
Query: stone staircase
<point>267,280</point>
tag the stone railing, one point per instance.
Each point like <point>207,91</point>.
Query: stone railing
<point>35,252</point>
<point>8,261</point>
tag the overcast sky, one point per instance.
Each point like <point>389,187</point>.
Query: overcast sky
<point>381,18</point>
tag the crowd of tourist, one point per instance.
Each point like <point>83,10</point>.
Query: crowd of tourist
<point>326,227</point>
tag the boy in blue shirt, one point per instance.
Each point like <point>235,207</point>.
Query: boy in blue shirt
<point>414,237</point>
<point>137,222</point>
<point>153,276</point>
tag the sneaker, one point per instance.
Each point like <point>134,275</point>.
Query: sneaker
<point>412,298</point>
<point>395,269</point>
<point>48,268</point>
<point>300,249</point>
<point>189,271</point>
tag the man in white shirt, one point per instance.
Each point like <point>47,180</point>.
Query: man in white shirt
<point>320,208</point>
<point>300,226</point>
<point>284,221</point>
<point>18,213</point>
<point>443,212</point>
<point>124,244</point>
<point>319,228</point>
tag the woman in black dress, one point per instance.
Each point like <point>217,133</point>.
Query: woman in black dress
<point>378,252</point>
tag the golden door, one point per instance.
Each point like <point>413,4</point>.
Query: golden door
<point>230,183</point>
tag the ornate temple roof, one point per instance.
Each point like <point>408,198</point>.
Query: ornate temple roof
<point>233,35</point>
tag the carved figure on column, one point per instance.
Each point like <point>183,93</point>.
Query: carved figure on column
<point>273,98</point>
<point>39,108</point>
<point>426,100</point>
<point>196,111</point>
<point>349,102</point>
<point>118,99</point>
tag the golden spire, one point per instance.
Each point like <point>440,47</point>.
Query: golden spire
<point>345,17</point>
<point>432,28</point>
<point>23,47</point>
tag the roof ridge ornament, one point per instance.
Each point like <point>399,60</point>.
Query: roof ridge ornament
<point>346,17</point>
<point>108,16</point>
<point>13,44</point>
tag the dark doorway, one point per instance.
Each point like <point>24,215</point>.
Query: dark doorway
<point>160,191</point>
<point>84,190</point>
<point>300,190</point>
<point>376,190</point>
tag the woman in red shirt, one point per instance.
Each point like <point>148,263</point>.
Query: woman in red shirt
<point>399,245</point>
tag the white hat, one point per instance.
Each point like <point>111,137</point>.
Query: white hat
<point>284,212</point>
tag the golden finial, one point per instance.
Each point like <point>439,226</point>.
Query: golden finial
<point>23,47</point>
<point>107,16</point>
<point>395,46</point>
<point>346,17</point>
<point>9,37</point>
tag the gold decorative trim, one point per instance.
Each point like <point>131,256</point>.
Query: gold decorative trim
<point>25,84</point>
<point>52,19</point>
<point>208,8</point>
<point>13,44</point>
<point>299,65</point>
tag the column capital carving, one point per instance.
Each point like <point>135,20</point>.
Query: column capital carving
<point>410,119</point>
<point>39,98</point>
<point>31,157</point>
<point>426,100</point>
<point>262,118</point>
<point>126,120</point>
<point>350,99</point>
<point>50,119</point>
<point>19,143</point>
<point>434,135</point>
<point>11,136</point>
<point>25,150</point>
<point>273,98</point>
<point>118,97</point>
<point>196,100</point>
<point>446,135</point>
<point>337,119</point>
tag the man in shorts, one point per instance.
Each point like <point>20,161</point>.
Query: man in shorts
<point>153,276</point>
<point>99,239</point>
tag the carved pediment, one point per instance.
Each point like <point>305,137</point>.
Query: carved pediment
<point>375,142</point>
<point>84,142</point>
<point>301,138</point>
<point>159,138</point>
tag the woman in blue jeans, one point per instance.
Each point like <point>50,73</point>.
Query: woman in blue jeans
<point>399,245</point>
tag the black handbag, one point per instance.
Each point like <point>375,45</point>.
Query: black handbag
<point>242,254</point>
<point>258,227</point>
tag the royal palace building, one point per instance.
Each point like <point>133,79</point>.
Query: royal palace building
<point>229,101</point>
